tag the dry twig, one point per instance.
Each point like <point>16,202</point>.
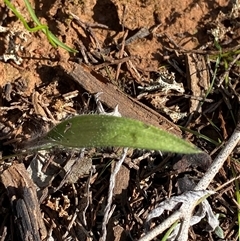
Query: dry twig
<point>107,211</point>
<point>202,185</point>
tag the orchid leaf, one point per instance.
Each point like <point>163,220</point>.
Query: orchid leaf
<point>103,131</point>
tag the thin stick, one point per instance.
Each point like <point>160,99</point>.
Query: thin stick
<point>162,227</point>
<point>202,185</point>
<point>220,159</point>
<point>107,211</point>
<point>121,55</point>
<point>226,73</point>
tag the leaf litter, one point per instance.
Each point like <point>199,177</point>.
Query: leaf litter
<point>73,207</point>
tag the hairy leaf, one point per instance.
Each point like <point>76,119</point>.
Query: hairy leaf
<point>103,131</point>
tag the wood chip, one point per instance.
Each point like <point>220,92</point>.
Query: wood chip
<point>112,96</point>
<point>23,197</point>
<point>121,184</point>
<point>198,79</point>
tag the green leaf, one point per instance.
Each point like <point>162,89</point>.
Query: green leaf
<point>103,131</point>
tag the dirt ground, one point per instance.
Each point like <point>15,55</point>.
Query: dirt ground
<point>122,47</point>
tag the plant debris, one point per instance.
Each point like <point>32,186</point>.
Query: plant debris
<point>172,65</point>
